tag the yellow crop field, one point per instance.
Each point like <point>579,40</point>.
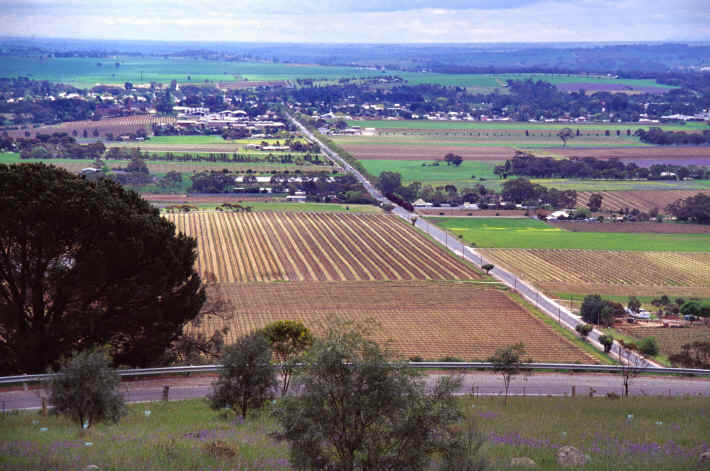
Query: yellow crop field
<point>431,319</point>
<point>275,246</point>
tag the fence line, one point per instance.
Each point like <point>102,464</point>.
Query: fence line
<point>417,365</point>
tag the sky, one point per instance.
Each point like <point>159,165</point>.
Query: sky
<point>360,21</point>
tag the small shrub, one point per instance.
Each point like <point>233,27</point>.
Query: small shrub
<point>583,330</point>
<point>607,341</point>
<point>86,390</point>
<point>648,346</point>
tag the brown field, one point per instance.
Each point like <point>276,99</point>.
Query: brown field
<point>643,200</point>
<point>428,319</point>
<point>608,272</point>
<point>669,340</point>
<point>661,153</point>
<point>117,126</point>
<point>183,167</point>
<point>633,227</point>
<point>275,246</point>
<point>426,152</point>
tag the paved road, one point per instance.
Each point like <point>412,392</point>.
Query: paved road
<point>483,383</point>
<point>535,296</point>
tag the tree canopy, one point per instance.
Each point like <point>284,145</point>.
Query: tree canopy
<point>84,264</point>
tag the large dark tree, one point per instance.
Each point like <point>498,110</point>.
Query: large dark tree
<point>85,264</point>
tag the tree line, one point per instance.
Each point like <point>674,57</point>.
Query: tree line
<point>528,165</point>
<point>659,137</point>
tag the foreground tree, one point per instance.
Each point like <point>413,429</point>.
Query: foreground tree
<point>358,410</point>
<point>248,378</point>
<point>85,264</point>
<point>86,390</point>
<point>288,339</point>
<point>508,362</point>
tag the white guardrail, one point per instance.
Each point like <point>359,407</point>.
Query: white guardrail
<point>419,365</point>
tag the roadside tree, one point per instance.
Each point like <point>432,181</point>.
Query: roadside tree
<point>288,340</point>
<point>86,390</point>
<point>360,410</point>
<point>508,362</point>
<point>84,264</point>
<point>248,377</point>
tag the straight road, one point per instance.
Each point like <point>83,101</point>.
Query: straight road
<point>478,382</point>
<point>535,296</point>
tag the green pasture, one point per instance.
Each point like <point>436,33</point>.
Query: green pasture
<point>413,171</point>
<point>514,125</point>
<point>621,185</point>
<point>85,72</point>
<point>187,140</point>
<point>640,433</point>
<point>528,233</point>
<point>260,206</point>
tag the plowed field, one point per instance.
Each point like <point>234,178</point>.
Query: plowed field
<point>608,272</point>
<point>643,200</point>
<point>429,319</point>
<point>245,247</point>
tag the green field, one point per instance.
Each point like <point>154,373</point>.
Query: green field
<point>663,434</point>
<point>412,170</point>
<point>527,233</point>
<point>258,206</point>
<point>85,72</point>
<point>187,140</point>
<point>513,125</point>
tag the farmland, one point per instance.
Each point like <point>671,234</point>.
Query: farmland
<point>274,204</point>
<point>530,233</point>
<point>641,200</point>
<point>274,246</point>
<point>161,166</point>
<point>430,319</point>
<point>414,170</point>
<point>520,126</point>
<point>633,227</point>
<point>608,272</point>
<point>116,126</point>
<point>669,341</point>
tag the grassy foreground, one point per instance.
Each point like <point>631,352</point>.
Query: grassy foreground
<point>527,233</point>
<point>663,434</point>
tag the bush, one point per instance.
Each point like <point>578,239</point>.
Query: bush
<point>648,346</point>
<point>359,410</point>
<point>607,341</point>
<point>86,390</point>
<point>248,378</point>
<point>583,330</point>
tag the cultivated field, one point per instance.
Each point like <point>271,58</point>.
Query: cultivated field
<point>669,340</point>
<point>428,319</point>
<point>528,233</point>
<point>452,126</point>
<point>117,126</point>
<point>608,272</point>
<point>633,227</point>
<point>643,200</point>
<point>275,246</point>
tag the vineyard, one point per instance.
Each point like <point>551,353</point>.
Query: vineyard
<point>643,200</point>
<point>116,126</point>
<point>430,319</point>
<point>669,340</point>
<point>608,272</point>
<point>274,246</point>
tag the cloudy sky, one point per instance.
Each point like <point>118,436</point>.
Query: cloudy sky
<point>373,21</point>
